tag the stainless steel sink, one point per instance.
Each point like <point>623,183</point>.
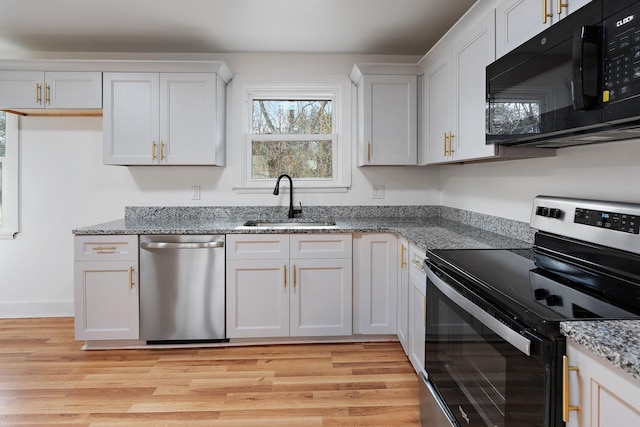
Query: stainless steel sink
<point>290,224</point>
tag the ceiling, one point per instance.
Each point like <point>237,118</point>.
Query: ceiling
<point>380,27</point>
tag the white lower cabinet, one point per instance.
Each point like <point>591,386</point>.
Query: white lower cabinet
<point>403,294</point>
<point>417,308</point>
<point>106,287</point>
<point>605,394</point>
<point>281,285</point>
<point>376,283</point>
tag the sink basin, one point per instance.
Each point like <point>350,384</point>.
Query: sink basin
<point>290,224</point>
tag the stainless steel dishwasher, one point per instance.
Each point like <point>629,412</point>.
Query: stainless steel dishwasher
<point>182,288</point>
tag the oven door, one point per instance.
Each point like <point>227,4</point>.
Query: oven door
<point>481,371</point>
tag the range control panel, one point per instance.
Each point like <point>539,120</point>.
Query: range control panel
<point>607,223</point>
<point>611,220</point>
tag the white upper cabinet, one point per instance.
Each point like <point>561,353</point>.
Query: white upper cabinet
<point>519,20</point>
<point>387,113</point>
<point>60,90</point>
<point>454,96</point>
<point>164,119</point>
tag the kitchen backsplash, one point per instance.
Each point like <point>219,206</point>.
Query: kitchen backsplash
<point>506,227</point>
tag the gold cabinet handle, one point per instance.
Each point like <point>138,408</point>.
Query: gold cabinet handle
<point>545,13</point>
<point>369,152</point>
<point>104,249</point>
<point>38,93</point>
<point>161,150</point>
<point>295,281</point>
<point>446,137</point>
<point>131,270</point>
<point>403,249</point>
<point>47,94</point>
<point>565,389</point>
<point>562,5</point>
<point>153,150</point>
<point>451,150</point>
<point>285,276</point>
<point>418,264</point>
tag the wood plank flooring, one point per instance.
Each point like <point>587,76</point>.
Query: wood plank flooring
<point>45,379</point>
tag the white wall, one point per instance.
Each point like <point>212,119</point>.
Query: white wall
<point>64,185</point>
<point>608,171</point>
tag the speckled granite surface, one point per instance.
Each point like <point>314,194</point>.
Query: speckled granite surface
<point>618,341</point>
<point>421,225</point>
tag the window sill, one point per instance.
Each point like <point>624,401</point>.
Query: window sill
<point>7,234</point>
<point>298,190</point>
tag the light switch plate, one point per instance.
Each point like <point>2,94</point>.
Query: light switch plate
<point>377,192</point>
<point>195,192</point>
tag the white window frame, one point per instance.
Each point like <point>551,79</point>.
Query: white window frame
<point>338,90</point>
<point>9,226</point>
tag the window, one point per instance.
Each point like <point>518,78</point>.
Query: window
<point>292,136</point>
<point>8,175</point>
<point>300,130</point>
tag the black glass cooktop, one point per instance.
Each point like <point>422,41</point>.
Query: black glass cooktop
<point>540,297</point>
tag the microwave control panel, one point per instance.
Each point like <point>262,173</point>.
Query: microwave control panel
<point>622,55</point>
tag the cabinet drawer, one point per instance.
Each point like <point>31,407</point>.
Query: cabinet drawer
<point>107,248</point>
<point>257,246</point>
<point>324,246</point>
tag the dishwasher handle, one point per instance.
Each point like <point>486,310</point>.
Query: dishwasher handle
<point>181,245</point>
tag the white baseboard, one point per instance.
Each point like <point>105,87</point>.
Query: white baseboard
<point>10,310</point>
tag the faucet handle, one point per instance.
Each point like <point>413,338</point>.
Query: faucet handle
<point>298,210</point>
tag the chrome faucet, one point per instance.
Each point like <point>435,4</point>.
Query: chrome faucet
<point>292,211</point>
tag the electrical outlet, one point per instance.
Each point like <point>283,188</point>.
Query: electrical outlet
<point>377,192</point>
<point>195,192</point>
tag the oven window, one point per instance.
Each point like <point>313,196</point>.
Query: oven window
<point>483,379</point>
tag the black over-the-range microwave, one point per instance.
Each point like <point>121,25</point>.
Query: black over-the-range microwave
<point>578,82</point>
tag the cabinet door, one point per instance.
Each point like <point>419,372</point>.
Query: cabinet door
<point>106,300</point>
<point>375,283</point>
<point>519,20</point>
<point>131,119</point>
<point>570,6</point>
<point>73,90</point>
<point>437,108</point>
<point>257,298</point>
<point>606,395</point>
<point>321,297</point>
<point>403,294</point>
<point>390,104</point>
<point>188,118</point>
<point>21,89</point>
<point>417,320</point>
<point>472,52</point>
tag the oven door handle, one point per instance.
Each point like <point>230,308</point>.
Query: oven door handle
<point>512,337</point>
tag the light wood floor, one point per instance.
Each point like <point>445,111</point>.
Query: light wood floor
<point>45,379</point>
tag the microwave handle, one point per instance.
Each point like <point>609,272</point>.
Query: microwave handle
<point>585,68</point>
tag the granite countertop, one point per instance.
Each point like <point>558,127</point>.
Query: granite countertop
<point>618,341</point>
<point>427,233</point>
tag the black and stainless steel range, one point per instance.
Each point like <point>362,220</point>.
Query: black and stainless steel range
<point>493,349</point>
